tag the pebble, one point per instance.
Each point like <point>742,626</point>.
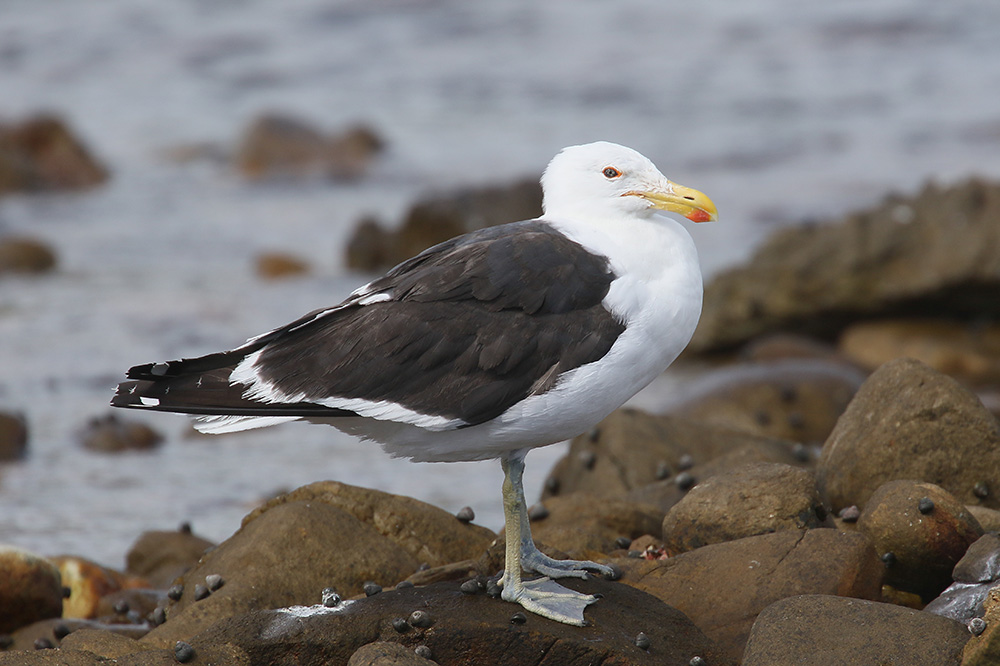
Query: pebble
<point>616,572</point>
<point>158,616</point>
<point>623,542</point>
<point>977,625</point>
<point>120,607</point>
<point>470,586</point>
<point>685,481</point>
<point>421,619</point>
<point>404,585</point>
<point>183,652</point>
<point>538,512</point>
<point>697,661</point>
<point>685,463</point>
<point>662,471</point>
<point>44,644</point>
<point>552,485</point>
<point>329,597</point>
<point>201,592</point>
<point>61,631</point>
<point>801,452</point>
<point>642,641</point>
<point>423,651</point>
<point>889,558</point>
<point>518,618</point>
<point>214,581</point>
<point>371,588</point>
<point>494,590</point>
<point>981,490</point>
<point>175,592</point>
<point>850,514</point>
<point>925,505</point>
<point>400,625</point>
<point>466,514</point>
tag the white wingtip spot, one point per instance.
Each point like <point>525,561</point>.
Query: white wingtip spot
<point>149,402</point>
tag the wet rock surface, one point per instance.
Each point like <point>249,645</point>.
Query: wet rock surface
<point>908,255</point>
<point>470,629</point>
<point>754,499</point>
<point>723,587</point>
<point>921,532</point>
<point>908,421</point>
<point>818,630</point>
<point>974,576</point>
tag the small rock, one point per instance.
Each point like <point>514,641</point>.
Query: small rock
<point>183,652</point>
<point>278,265</point>
<point>214,582</point>
<point>518,618</point>
<point>109,434</point>
<point>977,626</point>
<point>371,588</point>
<point>25,256</point>
<point>642,641</point>
<point>466,514</point>
<point>13,437</point>
<point>421,619</point>
<point>423,651</point>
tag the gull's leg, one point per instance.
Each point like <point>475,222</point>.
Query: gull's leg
<point>535,560</point>
<point>541,596</point>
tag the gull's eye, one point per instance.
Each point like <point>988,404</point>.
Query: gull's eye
<point>611,173</point>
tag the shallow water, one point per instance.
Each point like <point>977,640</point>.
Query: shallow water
<point>782,112</point>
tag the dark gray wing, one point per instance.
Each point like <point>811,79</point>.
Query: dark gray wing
<point>463,330</point>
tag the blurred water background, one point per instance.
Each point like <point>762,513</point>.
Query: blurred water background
<point>784,113</point>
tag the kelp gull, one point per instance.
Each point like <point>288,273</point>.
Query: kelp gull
<point>483,346</point>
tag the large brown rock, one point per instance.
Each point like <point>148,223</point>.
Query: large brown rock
<point>471,629</point>
<point>631,449</point>
<point>820,630</point>
<point>756,499</point>
<point>932,252</point>
<point>438,218</point>
<point>581,522</point>
<point>41,154</point>
<point>111,434</point>
<point>911,422</point>
<point>724,586</point>
<point>326,534</point>
<point>797,400</point>
<point>30,589</point>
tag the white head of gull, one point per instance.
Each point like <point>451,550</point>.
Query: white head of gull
<point>484,346</point>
